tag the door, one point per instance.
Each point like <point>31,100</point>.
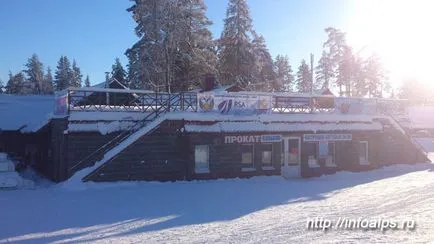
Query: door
<point>291,167</point>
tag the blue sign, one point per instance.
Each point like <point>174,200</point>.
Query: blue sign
<point>271,138</point>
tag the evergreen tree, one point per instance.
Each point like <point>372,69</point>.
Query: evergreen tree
<point>15,83</point>
<point>346,71</point>
<point>1,86</point>
<point>324,71</point>
<point>375,77</point>
<point>35,74</point>
<point>175,44</point>
<point>118,72</point>
<point>87,81</point>
<point>284,77</point>
<point>303,81</point>
<point>47,85</point>
<point>76,76</point>
<point>335,48</point>
<point>63,74</point>
<point>265,77</point>
<point>235,49</point>
<point>197,56</point>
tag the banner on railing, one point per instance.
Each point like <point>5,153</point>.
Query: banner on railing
<point>61,103</point>
<point>292,101</point>
<point>347,105</point>
<point>238,104</point>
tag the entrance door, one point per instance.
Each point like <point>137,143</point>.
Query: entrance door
<point>291,167</point>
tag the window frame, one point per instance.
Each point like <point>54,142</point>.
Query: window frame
<point>251,166</point>
<point>272,155</point>
<point>310,163</point>
<point>201,170</point>
<point>333,163</point>
<point>366,156</point>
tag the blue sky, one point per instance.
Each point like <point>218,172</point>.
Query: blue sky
<point>95,32</point>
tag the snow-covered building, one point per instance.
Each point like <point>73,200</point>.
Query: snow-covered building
<point>208,135</point>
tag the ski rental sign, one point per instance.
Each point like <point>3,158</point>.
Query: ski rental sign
<point>235,104</point>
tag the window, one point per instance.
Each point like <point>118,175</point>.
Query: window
<point>312,159</point>
<point>267,154</point>
<point>201,158</point>
<point>247,156</point>
<point>363,153</point>
<point>330,159</point>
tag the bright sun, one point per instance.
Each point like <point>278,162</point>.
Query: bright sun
<point>401,32</point>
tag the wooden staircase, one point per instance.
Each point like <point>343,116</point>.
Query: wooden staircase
<point>98,154</point>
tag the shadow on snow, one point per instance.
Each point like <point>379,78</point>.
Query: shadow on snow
<point>54,214</point>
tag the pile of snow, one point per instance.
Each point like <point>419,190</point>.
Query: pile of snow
<point>9,178</point>
<point>5,164</point>
<point>25,113</point>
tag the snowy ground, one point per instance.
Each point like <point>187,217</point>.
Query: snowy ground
<point>257,210</point>
<point>262,209</point>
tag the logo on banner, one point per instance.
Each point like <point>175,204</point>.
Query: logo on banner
<point>206,103</point>
<point>225,106</point>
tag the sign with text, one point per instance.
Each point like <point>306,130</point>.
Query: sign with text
<point>238,104</point>
<point>253,139</point>
<point>61,103</point>
<point>293,101</point>
<point>327,137</point>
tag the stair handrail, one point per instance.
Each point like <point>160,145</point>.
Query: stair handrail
<point>402,128</point>
<point>126,133</point>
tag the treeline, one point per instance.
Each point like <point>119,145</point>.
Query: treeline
<point>35,79</point>
<point>175,51</point>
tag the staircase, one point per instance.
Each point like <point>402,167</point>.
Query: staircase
<point>399,145</point>
<point>98,154</point>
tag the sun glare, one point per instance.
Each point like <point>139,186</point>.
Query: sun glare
<point>400,32</point>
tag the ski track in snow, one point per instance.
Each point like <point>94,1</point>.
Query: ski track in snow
<point>256,210</point>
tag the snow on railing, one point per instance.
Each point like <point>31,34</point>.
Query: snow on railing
<point>103,99</point>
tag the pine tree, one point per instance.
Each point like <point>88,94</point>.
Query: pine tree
<point>265,77</point>
<point>35,74</point>
<point>87,81</point>
<point>375,76</point>
<point>1,86</point>
<point>118,72</point>
<point>284,77</point>
<point>47,85</point>
<point>236,58</point>
<point>197,56</point>
<point>15,83</point>
<point>335,48</point>
<point>63,74</point>
<point>303,81</point>
<point>76,76</point>
<point>175,44</point>
<point>324,72</point>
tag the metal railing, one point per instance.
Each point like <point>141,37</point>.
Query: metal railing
<point>125,100</point>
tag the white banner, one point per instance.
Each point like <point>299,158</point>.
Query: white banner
<point>327,137</point>
<point>239,104</point>
<point>61,103</point>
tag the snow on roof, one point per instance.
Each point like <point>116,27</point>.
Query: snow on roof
<point>270,117</point>
<point>279,127</point>
<point>106,116</point>
<point>25,113</point>
<point>103,128</point>
<point>197,116</point>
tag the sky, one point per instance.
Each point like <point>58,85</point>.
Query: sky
<point>95,32</point>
